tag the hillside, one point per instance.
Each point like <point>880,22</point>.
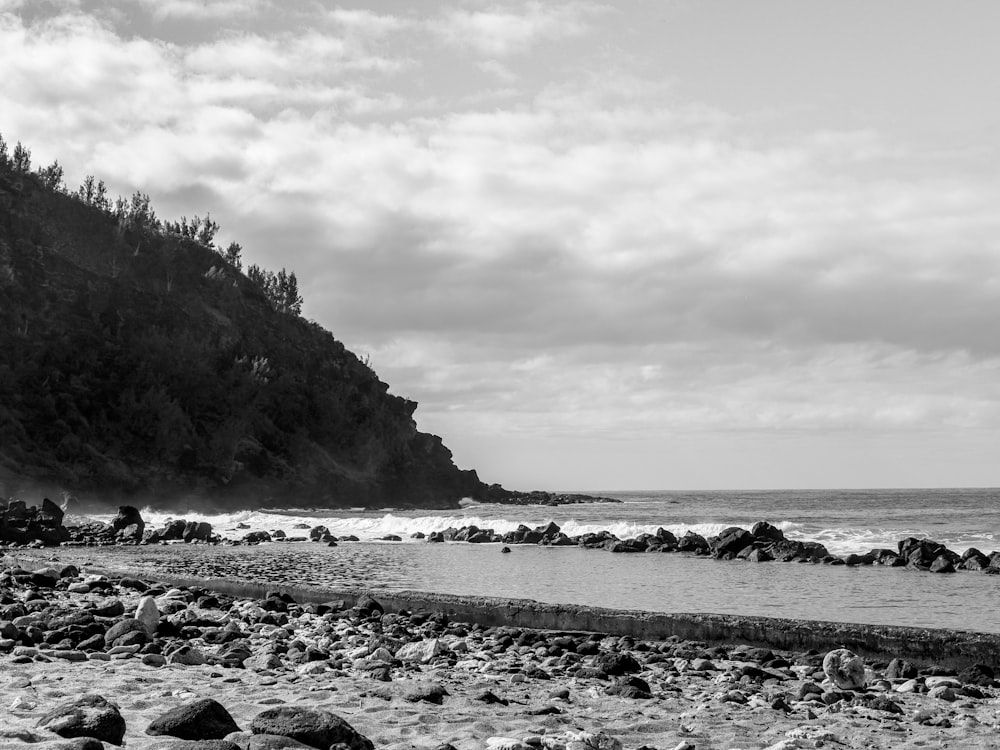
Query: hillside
<point>142,366</point>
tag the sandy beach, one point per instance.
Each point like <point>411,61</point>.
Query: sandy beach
<point>422,680</point>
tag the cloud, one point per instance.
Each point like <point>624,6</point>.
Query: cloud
<point>202,10</point>
<point>594,257</point>
<point>501,31</point>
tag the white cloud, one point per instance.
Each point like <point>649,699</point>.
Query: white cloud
<point>597,258</point>
<point>500,31</point>
<point>202,10</point>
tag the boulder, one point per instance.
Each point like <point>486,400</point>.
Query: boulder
<point>88,716</point>
<point>765,531</point>
<point>50,514</point>
<point>692,542</point>
<point>845,669</point>
<point>204,719</point>
<point>197,531</point>
<point>616,664</point>
<point>421,652</point>
<point>128,628</point>
<point>256,537</point>
<point>128,523</point>
<point>313,727</point>
<point>731,541</point>
<point>173,530</point>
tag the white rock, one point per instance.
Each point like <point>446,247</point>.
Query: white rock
<point>421,652</point>
<point>845,669</point>
<point>591,741</point>
<point>312,667</point>
<point>506,743</point>
<point>933,682</point>
<point>148,614</point>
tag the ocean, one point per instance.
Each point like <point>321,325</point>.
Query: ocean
<point>843,520</point>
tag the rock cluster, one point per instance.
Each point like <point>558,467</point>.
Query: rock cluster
<point>21,524</point>
<point>128,527</point>
<point>762,543</point>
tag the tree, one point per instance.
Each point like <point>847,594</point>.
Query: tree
<point>4,157</point>
<point>22,159</point>
<point>232,255</point>
<point>281,289</point>
<point>52,177</point>
<point>287,293</point>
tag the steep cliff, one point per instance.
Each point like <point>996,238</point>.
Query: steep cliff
<point>142,366</point>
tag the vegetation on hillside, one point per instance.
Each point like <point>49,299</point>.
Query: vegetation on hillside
<point>140,361</point>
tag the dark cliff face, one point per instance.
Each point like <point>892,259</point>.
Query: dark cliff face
<point>144,367</point>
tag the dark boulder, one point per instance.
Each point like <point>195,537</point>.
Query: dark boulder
<point>128,523</point>
<point>128,629</point>
<point>50,515</point>
<point>197,531</point>
<point>615,664</point>
<point>313,727</point>
<point>731,541</point>
<point>88,716</point>
<point>629,545</point>
<point>173,530</point>
<point>204,719</point>
<point>666,538</point>
<point>765,531</point>
<point>692,542</point>
<point>942,564</point>
<point>256,537</point>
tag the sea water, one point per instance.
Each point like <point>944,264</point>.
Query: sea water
<point>845,521</point>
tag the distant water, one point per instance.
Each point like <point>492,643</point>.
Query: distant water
<point>844,520</point>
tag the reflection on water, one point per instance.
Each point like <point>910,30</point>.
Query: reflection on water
<point>651,581</point>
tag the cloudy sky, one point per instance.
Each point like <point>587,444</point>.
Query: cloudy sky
<point>650,244</point>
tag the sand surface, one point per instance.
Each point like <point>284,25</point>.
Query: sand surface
<point>700,698</point>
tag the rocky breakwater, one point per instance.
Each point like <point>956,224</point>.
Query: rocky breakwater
<point>94,661</point>
<point>38,525</point>
<point>763,542</point>
<point>128,527</point>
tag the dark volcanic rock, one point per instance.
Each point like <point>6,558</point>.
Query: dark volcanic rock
<point>128,523</point>
<point>204,719</point>
<point>764,530</point>
<point>317,728</point>
<point>89,716</point>
<point>616,664</point>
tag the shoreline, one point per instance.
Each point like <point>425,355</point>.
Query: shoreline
<point>161,651</point>
<point>943,646</point>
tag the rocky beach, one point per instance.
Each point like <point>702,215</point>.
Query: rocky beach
<point>94,658</point>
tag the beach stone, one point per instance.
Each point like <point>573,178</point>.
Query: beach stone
<point>250,741</point>
<point>430,693</point>
<point>421,652</point>
<point>900,668</point>
<point>178,744</point>
<point>506,743</point>
<point>88,716</point>
<point>616,664</point>
<point>76,743</point>
<point>845,669</point>
<point>591,741</point>
<point>314,727</point>
<point>118,633</point>
<point>204,719</point>
<point>187,656</point>
<point>148,615</point>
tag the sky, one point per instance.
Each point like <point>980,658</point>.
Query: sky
<point>646,244</point>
